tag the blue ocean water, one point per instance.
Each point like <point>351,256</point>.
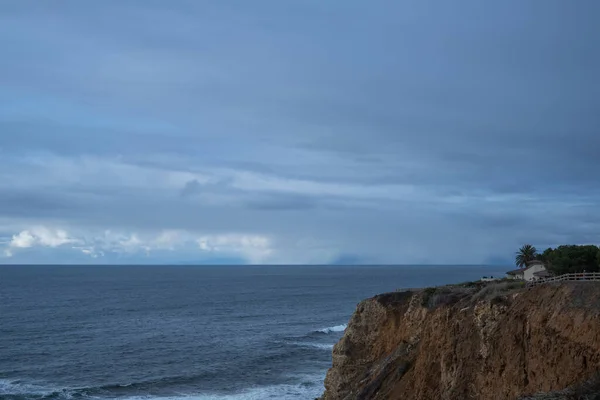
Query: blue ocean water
<point>172,332</point>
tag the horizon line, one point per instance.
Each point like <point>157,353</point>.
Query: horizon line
<point>247,265</point>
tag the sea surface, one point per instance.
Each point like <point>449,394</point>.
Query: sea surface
<point>184,332</point>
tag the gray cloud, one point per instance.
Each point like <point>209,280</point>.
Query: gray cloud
<point>379,133</point>
<point>32,204</point>
<point>281,203</point>
<point>191,188</point>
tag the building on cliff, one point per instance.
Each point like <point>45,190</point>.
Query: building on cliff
<point>534,270</point>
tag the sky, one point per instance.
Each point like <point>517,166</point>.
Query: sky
<point>297,132</point>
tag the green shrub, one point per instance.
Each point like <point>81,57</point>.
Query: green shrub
<point>427,293</point>
<point>571,259</point>
<point>497,289</point>
<point>444,295</point>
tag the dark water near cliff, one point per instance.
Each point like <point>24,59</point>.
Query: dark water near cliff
<point>173,332</point>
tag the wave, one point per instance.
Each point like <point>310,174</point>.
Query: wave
<point>331,329</point>
<point>18,388</point>
<point>303,390</point>
<point>321,346</point>
<point>306,387</point>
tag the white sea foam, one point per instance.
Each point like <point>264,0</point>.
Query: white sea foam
<point>337,328</point>
<point>16,387</point>
<point>310,388</point>
<point>322,346</point>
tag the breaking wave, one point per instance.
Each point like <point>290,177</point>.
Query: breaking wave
<point>331,329</point>
<point>321,346</point>
<point>306,387</point>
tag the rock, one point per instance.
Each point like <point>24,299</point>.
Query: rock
<point>514,344</point>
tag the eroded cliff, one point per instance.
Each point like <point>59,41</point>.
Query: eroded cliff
<point>468,343</point>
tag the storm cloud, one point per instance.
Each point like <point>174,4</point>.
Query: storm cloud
<point>297,131</point>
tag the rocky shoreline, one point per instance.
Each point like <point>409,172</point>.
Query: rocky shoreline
<point>473,341</point>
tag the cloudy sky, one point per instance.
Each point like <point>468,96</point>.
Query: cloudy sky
<point>270,131</point>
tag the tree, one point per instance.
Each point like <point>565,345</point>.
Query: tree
<point>545,257</point>
<point>526,254</point>
<point>572,259</point>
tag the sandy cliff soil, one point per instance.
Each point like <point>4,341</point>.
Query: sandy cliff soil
<point>464,344</point>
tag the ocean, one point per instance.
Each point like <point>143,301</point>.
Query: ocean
<point>185,332</point>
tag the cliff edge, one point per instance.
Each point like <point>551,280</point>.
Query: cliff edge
<point>500,341</point>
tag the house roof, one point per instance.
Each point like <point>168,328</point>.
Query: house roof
<point>515,271</point>
<point>542,274</point>
<point>521,270</point>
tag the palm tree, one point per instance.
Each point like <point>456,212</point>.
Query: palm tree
<point>525,255</point>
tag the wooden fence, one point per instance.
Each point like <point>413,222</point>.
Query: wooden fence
<point>583,276</point>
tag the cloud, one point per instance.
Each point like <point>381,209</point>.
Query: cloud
<point>40,236</point>
<point>22,240</point>
<point>168,239</point>
<point>191,187</point>
<point>251,248</point>
<point>132,244</point>
<point>282,202</point>
<point>385,133</point>
<point>255,248</point>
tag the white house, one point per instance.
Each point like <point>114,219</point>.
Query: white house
<point>534,270</point>
<point>515,274</point>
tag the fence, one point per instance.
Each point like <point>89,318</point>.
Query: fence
<point>583,276</point>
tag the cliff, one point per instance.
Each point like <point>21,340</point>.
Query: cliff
<point>494,342</point>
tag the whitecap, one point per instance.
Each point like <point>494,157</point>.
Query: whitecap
<point>17,387</point>
<point>309,388</point>
<point>337,328</point>
<point>321,346</point>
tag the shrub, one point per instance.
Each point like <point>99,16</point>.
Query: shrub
<point>572,258</point>
<point>443,295</point>
<point>427,293</point>
<point>495,290</point>
<point>443,299</point>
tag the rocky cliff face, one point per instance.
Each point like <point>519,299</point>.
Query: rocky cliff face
<point>462,344</point>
